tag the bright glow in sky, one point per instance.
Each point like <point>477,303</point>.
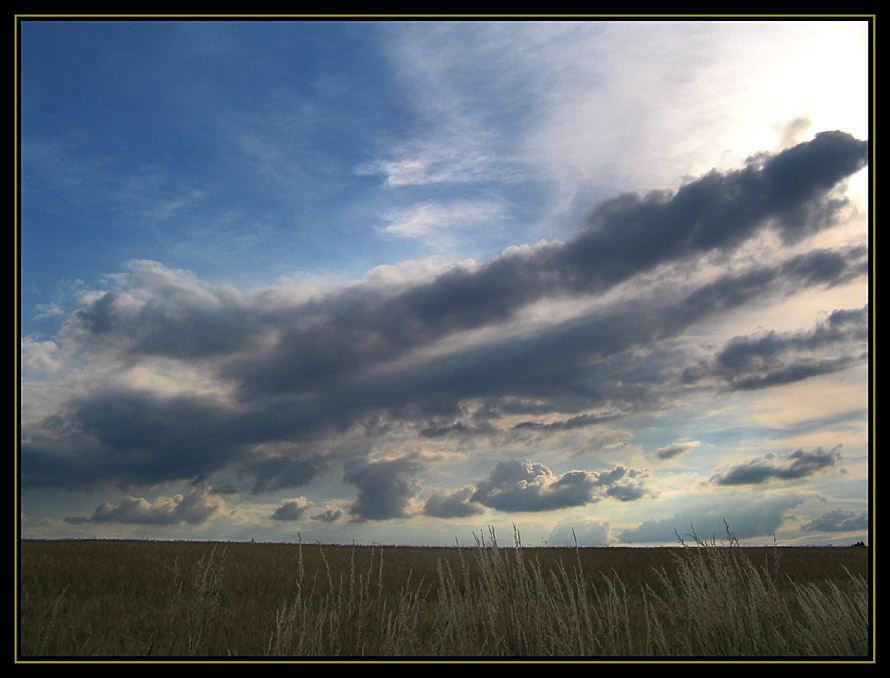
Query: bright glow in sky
<point>396,281</point>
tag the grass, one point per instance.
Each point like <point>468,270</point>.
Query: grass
<point>185,599</point>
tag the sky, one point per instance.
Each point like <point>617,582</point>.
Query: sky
<point>400,281</point>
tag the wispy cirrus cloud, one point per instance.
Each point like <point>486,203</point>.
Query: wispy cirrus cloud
<point>560,90</point>
<point>441,226</point>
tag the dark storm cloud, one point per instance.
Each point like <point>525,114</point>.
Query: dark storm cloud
<point>584,363</point>
<point>306,372</point>
<point>357,327</point>
<point>747,363</point>
<point>318,343</point>
<point>138,438</point>
<point>173,328</point>
<point>294,467</point>
<point>435,431</point>
<point>292,509</point>
<point>792,466</point>
<point>522,485</point>
<point>194,508</point>
<point>799,372</point>
<point>171,315</point>
<point>328,516</point>
<point>621,238</point>
<point>717,211</point>
<point>838,521</point>
<point>828,267</point>
<point>135,437</point>
<point>385,488</point>
<point>743,354</point>
<point>457,504</point>
<point>580,421</point>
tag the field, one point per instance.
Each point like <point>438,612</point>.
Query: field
<point>154,599</point>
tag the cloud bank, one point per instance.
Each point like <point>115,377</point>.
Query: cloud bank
<point>194,381</point>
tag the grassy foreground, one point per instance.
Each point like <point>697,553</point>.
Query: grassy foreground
<point>149,599</point>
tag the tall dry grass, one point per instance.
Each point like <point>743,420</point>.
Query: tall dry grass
<point>488,601</point>
<point>348,614</point>
<point>720,604</point>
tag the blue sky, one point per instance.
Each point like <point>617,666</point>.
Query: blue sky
<point>396,281</point>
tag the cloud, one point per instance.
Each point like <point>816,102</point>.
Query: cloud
<point>385,487</point>
<point>521,485</point>
<point>791,466</point>
<point>157,311</point>
<point>292,509</point>
<point>838,521</point>
<point>747,518</point>
<point>328,516</point>
<point>134,438</point>
<point>820,266</point>
<point>196,507</point>
<point>443,159</point>
<point>621,238</point>
<point>631,488</point>
<point>789,191</point>
<point>438,224</point>
<point>579,421</point>
<point>293,466</point>
<point>285,381</point>
<point>677,449</point>
<point>457,504</point>
<point>518,98</point>
<point>41,356</point>
<point>748,363</point>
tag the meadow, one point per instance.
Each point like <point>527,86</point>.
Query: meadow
<point>150,600</point>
